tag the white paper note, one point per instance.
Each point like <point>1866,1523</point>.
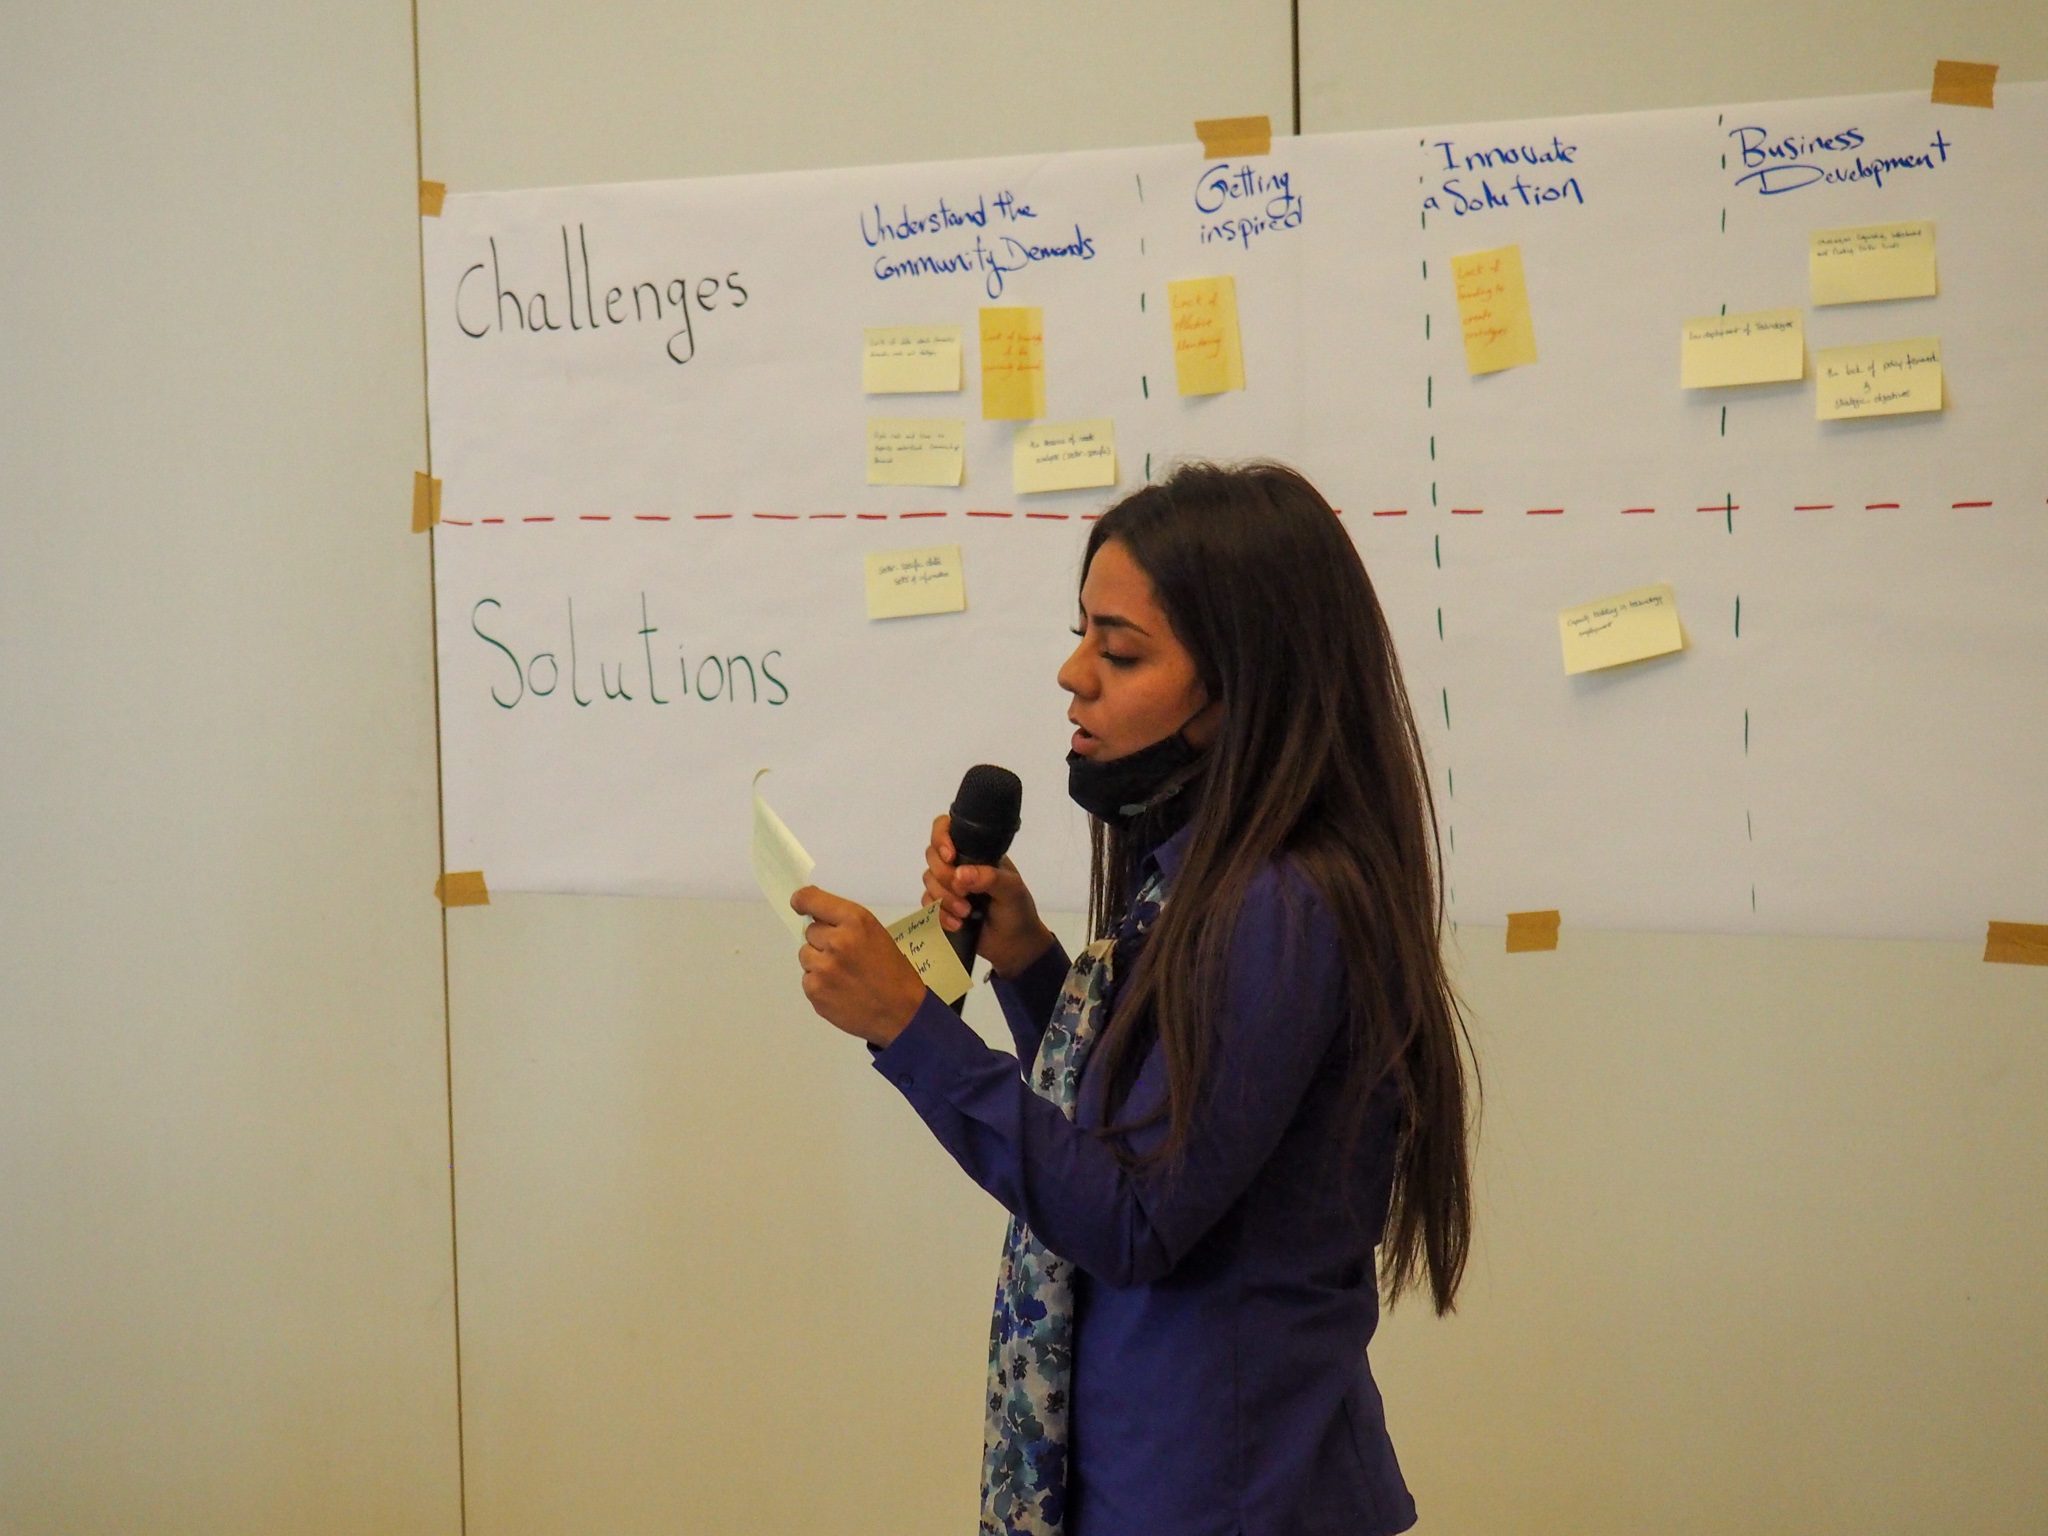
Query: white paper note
<point>781,867</point>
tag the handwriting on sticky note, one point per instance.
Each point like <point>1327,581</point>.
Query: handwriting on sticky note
<point>916,452</point>
<point>1630,626</point>
<point>1872,261</point>
<point>781,867</point>
<point>1493,309</point>
<point>924,944</point>
<point>1064,456</point>
<point>1763,348</point>
<point>910,359</point>
<point>1207,355</point>
<point>1885,378</point>
<point>1012,363</point>
<point>903,583</point>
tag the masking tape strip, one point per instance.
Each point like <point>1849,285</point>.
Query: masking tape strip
<point>426,501</point>
<point>2017,943</point>
<point>1963,85</point>
<point>1532,930</point>
<point>432,195</point>
<point>463,888</point>
<point>1235,135</point>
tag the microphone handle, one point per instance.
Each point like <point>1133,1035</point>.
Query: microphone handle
<point>967,939</point>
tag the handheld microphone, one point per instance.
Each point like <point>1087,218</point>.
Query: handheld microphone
<point>985,816</point>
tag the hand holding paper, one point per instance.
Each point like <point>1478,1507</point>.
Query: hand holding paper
<point>854,975</point>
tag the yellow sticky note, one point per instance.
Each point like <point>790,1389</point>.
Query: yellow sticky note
<point>1064,456</point>
<point>1012,363</point>
<point>1872,261</point>
<point>903,583</point>
<point>924,944</point>
<point>1766,347</point>
<point>1207,357</point>
<point>1963,85</point>
<point>910,360</point>
<point>1493,309</point>
<point>916,452</point>
<point>781,867</point>
<point>1631,626</point>
<point>1884,378</point>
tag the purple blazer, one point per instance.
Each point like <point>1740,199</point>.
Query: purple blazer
<point>1223,1310</point>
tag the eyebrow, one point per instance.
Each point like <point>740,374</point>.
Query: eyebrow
<point>1114,621</point>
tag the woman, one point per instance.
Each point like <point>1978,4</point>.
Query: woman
<point>1250,1081</point>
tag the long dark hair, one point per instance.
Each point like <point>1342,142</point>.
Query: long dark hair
<point>1317,764</point>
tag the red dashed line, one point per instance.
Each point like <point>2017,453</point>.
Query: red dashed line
<point>712,517</point>
<point>1392,512</point>
<point>1089,517</point>
<point>1632,511</point>
<point>1880,506</point>
<point>991,514</point>
<point>595,517</point>
<point>494,519</point>
<point>458,522</point>
<point>1961,504</point>
<point>1055,516</point>
<point>536,519</point>
<point>650,517</point>
<point>776,517</point>
<point>1815,506</point>
<point>1467,511</point>
<point>826,516</point>
<point>1723,507</point>
<point>872,517</point>
<point>920,514</point>
<point>1546,511</point>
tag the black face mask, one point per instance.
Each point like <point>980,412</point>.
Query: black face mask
<point>1126,788</point>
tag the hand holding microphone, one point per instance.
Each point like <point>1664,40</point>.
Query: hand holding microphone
<point>983,902</point>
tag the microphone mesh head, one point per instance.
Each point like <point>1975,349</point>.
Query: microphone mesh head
<point>986,813</point>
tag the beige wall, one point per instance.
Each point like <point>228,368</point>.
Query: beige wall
<point>225,1293</point>
<point>1761,1242</point>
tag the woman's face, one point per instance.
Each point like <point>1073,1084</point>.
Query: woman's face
<point>1132,680</point>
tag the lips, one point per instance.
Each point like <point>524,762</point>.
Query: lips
<point>1084,740</point>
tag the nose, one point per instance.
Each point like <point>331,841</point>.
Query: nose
<point>1074,672</point>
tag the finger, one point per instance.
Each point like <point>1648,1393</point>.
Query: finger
<point>821,906</point>
<point>938,869</point>
<point>942,837</point>
<point>950,905</point>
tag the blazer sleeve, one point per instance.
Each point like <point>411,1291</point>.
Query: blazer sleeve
<point>1284,1001</point>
